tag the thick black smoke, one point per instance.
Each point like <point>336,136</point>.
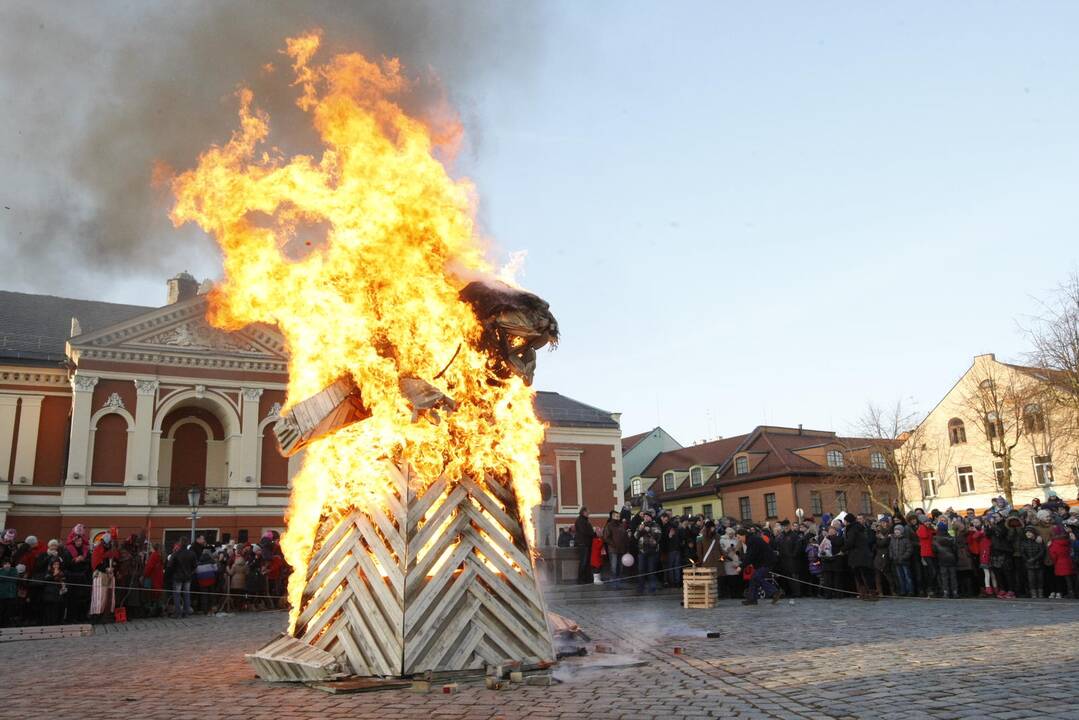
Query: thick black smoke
<point>98,92</point>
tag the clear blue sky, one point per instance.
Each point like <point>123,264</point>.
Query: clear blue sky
<point>746,213</point>
<point>778,213</point>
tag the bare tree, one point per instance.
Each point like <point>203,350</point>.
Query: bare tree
<point>1001,402</point>
<point>888,429</point>
<point>1054,337</point>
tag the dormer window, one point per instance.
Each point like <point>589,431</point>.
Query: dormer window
<point>835,459</point>
<point>668,481</point>
<point>877,462</point>
<point>741,466</point>
<point>635,486</point>
<point>696,477</point>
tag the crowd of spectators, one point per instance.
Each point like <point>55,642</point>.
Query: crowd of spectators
<point>79,581</point>
<point>999,551</point>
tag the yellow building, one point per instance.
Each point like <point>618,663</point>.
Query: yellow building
<point>998,423</point>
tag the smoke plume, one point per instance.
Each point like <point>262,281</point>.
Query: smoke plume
<point>100,92</point>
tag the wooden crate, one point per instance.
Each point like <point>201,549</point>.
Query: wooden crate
<point>700,588</point>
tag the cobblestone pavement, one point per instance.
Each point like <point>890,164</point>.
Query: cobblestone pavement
<point>819,659</point>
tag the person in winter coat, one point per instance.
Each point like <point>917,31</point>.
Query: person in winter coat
<point>882,562</point>
<point>761,557</point>
<point>1061,556</point>
<point>965,564</point>
<point>1032,551</point>
<point>946,553</point>
<point>1015,525</point>
<point>791,548</point>
<point>53,588</point>
<point>103,563</point>
<point>153,579</point>
<point>814,567</point>
<point>900,551</point>
<point>583,533</point>
<point>648,537</point>
<point>616,539</point>
<point>926,532</point>
<point>1000,555</point>
<point>859,556</point>
<point>205,579</point>
<point>238,580</point>
<point>731,578</point>
<point>9,586</point>
<point>181,566</point>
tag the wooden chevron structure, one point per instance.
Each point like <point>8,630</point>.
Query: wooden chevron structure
<point>439,580</point>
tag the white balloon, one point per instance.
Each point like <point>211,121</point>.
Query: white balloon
<point>627,560</point>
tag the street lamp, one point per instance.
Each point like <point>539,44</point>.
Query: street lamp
<point>193,497</point>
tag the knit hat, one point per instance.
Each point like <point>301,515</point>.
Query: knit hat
<point>942,528</point>
<point>1044,515</point>
<point>898,531</point>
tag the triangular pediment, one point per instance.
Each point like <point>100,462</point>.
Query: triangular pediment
<point>181,330</point>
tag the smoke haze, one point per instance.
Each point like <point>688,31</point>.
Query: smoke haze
<point>97,93</point>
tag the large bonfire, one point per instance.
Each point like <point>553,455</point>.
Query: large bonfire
<point>378,300</point>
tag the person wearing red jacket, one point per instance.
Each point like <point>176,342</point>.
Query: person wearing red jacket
<point>1060,553</point>
<point>154,580</point>
<point>981,547</point>
<point>928,557</point>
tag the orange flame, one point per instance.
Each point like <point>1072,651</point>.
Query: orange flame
<point>378,299</point>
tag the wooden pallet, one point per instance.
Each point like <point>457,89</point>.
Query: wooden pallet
<point>700,588</point>
<point>438,579</point>
<point>289,660</point>
<point>45,632</point>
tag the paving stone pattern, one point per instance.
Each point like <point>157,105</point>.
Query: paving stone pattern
<point>815,659</point>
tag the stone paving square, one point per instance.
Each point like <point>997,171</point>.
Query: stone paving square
<point>814,659</point>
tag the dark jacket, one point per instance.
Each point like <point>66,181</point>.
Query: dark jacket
<point>944,548</point>
<point>614,534</point>
<point>583,532</point>
<point>1033,553</point>
<point>648,537</point>
<point>882,554</point>
<point>856,546</point>
<point>791,552</point>
<point>900,549</point>
<point>182,564</point>
<point>758,553</point>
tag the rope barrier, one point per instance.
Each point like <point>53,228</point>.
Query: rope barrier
<point>144,589</point>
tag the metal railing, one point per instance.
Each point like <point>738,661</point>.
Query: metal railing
<point>178,496</point>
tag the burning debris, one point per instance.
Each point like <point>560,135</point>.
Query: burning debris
<point>515,324</point>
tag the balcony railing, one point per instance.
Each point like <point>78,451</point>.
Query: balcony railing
<point>178,496</point>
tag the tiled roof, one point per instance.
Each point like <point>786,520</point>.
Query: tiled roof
<point>709,453</point>
<point>560,411</point>
<point>628,443</point>
<point>776,448</point>
<point>34,328</point>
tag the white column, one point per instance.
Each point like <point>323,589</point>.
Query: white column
<point>146,392</point>
<point>245,492</point>
<point>8,403</point>
<point>26,445</point>
<point>78,456</point>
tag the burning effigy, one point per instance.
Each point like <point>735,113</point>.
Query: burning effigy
<point>410,369</point>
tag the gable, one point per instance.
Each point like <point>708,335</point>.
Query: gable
<point>179,334</point>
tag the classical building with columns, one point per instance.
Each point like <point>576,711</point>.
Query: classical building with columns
<point>110,413</point>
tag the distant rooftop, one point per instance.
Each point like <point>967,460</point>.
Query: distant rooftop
<point>559,410</point>
<point>35,328</point>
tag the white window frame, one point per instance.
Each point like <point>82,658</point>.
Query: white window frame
<point>669,475</point>
<point>741,465</point>
<point>998,474</point>
<point>877,460</point>
<point>1048,465</point>
<point>834,458</point>
<point>931,477</point>
<point>700,476</point>
<point>959,477</point>
<point>841,506</point>
<point>635,486</point>
<point>574,457</point>
<point>770,513</point>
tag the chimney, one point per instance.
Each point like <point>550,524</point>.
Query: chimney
<point>182,287</point>
<point>799,428</point>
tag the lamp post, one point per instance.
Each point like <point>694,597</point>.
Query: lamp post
<point>193,497</point>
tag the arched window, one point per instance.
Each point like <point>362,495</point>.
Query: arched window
<point>877,462</point>
<point>957,432</point>
<point>696,477</point>
<point>994,427</point>
<point>1034,418</point>
<point>668,481</point>
<point>835,459</point>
